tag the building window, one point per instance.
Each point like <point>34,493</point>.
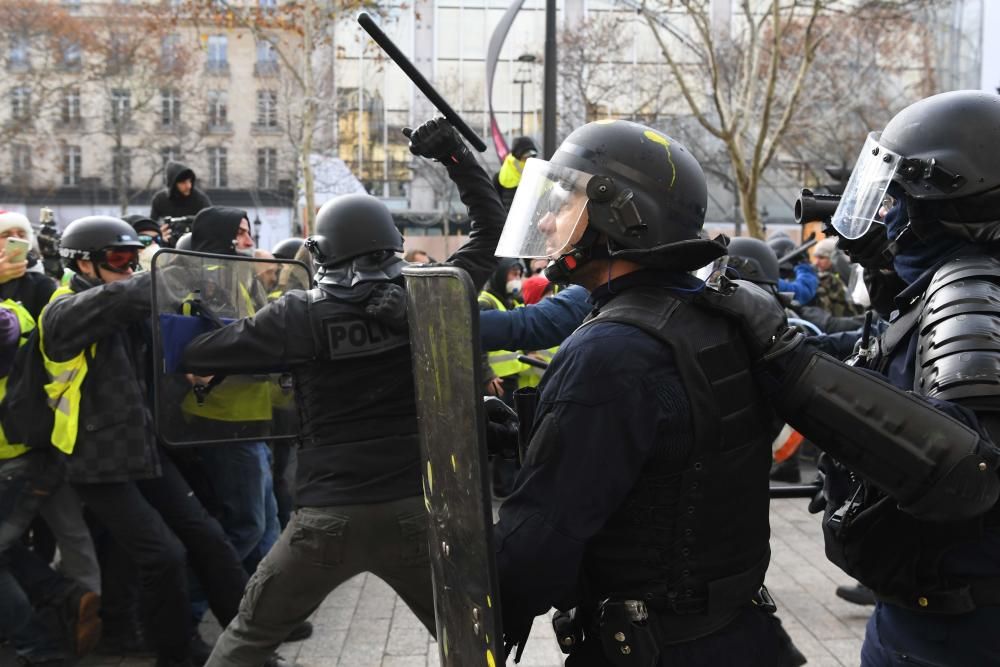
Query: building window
<point>267,108</point>
<point>118,51</point>
<point>121,106</point>
<point>70,54</point>
<point>169,154</point>
<point>169,50</point>
<point>267,59</point>
<point>218,60</point>
<point>71,107</point>
<point>267,168</point>
<point>218,111</point>
<point>121,167</point>
<point>21,163</point>
<point>20,103</point>
<point>72,165</point>
<point>217,167</point>
<point>170,108</point>
<point>17,59</point>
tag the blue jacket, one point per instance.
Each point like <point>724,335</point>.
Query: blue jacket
<point>805,284</point>
<point>537,327</point>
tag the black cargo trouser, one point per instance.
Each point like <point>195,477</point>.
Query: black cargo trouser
<point>161,525</point>
<point>321,548</point>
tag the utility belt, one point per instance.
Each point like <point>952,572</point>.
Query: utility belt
<point>632,632</point>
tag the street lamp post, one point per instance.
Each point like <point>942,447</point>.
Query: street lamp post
<point>522,78</point>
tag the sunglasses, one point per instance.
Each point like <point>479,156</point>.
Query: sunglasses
<point>121,260</point>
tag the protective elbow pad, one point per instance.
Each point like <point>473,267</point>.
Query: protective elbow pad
<point>934,466</point>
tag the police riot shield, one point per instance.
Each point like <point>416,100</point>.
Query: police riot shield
<point>196,293</point>
<point>444,341</point>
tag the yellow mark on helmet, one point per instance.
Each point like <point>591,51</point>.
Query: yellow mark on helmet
<point>430,478</point>
<point>662,140</point>
<point>489,601</point>
<point>454,463</point>
<point>489,658</point>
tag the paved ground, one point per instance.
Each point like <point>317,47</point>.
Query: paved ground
<point>364,624</point>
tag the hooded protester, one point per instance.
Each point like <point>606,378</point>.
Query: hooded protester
<point>220,231</point>
<point>180,197</point>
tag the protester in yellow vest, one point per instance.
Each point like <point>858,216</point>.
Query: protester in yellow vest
<point>94,338</point>
<point>509,176</point>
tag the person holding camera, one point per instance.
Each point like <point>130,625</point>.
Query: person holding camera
<point>180,199</point>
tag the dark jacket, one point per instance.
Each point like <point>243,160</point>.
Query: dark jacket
<point>169,202</point>
<point>32,290</point>
<point>115,441</point>
<point>633,439</point>
<point>357,409</point>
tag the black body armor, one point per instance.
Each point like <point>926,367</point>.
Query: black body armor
<point>702,528</point>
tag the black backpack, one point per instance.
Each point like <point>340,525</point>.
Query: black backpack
<point>24,412</point>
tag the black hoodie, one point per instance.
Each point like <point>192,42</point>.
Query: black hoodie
<point>170,202</point>
<point>215,230</point>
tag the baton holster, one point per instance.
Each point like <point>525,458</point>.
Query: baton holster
<point>627,635</point>
<point>568,630</point>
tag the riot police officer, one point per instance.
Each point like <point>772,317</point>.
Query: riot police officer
<point>911,507</point>
<point>346,344</point>
<point>643,499</point>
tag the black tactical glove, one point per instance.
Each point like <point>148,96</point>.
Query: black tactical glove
<point>387,304</point>
<point>438,140</point>
<point>501,428</point>
<point>761,318</point>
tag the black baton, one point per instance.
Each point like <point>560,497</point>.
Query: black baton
<point>368,23</point>
<point>795,490</point>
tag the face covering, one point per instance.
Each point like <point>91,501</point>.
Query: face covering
<point>514,287</point>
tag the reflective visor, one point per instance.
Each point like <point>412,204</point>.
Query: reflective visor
<point>546,216</point>
<point>120,259</point>
<point>866,190</point>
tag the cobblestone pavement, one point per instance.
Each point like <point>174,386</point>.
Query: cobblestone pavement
<point>364,623</point>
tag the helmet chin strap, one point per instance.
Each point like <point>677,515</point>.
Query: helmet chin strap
<point>561,270</point>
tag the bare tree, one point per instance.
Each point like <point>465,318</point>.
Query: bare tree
<point>598,78</point>
<point>300,33</point>
<point>140,73</point>
<point>742,68</point>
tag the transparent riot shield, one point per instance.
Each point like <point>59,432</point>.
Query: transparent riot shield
<point>193,294</point>
<point>444,340</point>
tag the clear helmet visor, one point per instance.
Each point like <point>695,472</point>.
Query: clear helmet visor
<point>864,199</point>
<point>547,215</point>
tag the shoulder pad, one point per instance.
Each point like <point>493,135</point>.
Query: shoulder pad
<point>958,344</point>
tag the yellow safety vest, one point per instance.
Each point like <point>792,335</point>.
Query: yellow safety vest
<point>10,450</point>
<point>510,172</point>
<point>503,362</point>
<point>65,388</point>
<point>237,398</point>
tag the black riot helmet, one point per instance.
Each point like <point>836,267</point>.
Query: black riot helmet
<point>356,242</point>
<point>781,245</point>
<point>109,242</point>
<point>350,226</point>
<point>753,260</point>
<point>288,248</point>
<point>941,154</point>
<point>635,190</point>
